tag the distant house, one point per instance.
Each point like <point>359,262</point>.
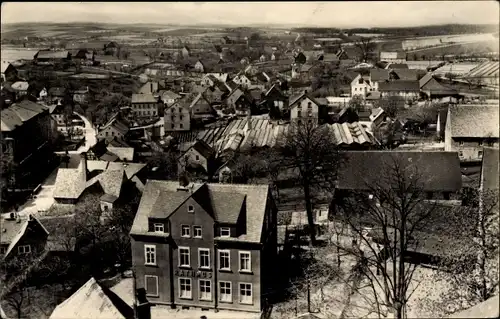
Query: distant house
<point>378,75</point>
<point>177,117</point>
<point>241,101</point>
<point>263,58</point>
<point>405,74</point>
<point>199,157</point>
<point>361,85</point>
<point>275,56</point>
<point>243,80</point>
<point>199,66</point>
<point>56,95</point>
<point>114,128</point>
<point>469,128</point>
<point>169,97</point>
<point>111,149</point>
<point>433,89</point>
<point>300,58</point>
<point>146,105</point>
<point>409,90</point>
<point>200,109</point>
<point>393,57</point>
<point>304,108</point>
<point>51,56</point>
<point>98,47</point>
<point>275,97</point>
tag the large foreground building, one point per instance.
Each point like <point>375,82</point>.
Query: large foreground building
<point>205,245</point>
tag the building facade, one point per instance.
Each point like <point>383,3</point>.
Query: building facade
<point>205,245</point>
<point>304,108</point>
<point>177,118</point>
<point>145,105</point>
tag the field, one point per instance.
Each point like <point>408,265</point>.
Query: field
<point>482,47</point>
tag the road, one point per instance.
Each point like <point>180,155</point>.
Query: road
<point>44,199</point>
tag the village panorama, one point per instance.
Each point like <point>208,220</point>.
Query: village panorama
<point>249,160</point>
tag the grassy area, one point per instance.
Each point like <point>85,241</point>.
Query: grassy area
<point>481,47</point>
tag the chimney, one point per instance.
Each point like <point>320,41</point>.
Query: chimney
<point>83,165</point>
<point>142,305</point>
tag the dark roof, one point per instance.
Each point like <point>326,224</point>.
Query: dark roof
<point>398,66</point>
<point>406,74</point>
<point>18,113</point>
<point>204,149</point>
<point>377,75</point>
<point>399,85</point>
<point>474,120</point>
<point>490,168</point>
<point>161,198</point>
<point>438,171</point>
<point>227,206</point>
<point>48,54</point>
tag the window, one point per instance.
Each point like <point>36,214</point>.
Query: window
<point>159,228</point>
<point>197,232</point>
<point>309,105</point>
<point>151,285</point>
<point>3,250</point>
<point>190,209</point>
<point>480,153</point>
<point>225,232</point>
<point>245,293</point>
<point>24,249</point>
<point>460,153</point>
<point>205,289</point>
<point>185,291</point>
<point>185,231</point>
<point>245,261</point>
<point>184,260</point>
<point>204,257</point>
<point>173,118</point>
<point>461,143</point>
<point>299,122</point>
<point>150,254</point>
<point>180,117</point>
<point>480,143</point>
<point>224,260</point>
<point>225,291</point>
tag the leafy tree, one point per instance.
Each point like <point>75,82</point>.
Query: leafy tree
<point>357,103</point>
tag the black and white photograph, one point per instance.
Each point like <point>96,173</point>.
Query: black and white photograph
<point>250,160</point>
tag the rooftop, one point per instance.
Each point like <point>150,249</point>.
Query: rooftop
<point>474,120</point>
<point>18,113</point>
<point>399,85</point>
<point>221,199</point>
<point>144,98</point>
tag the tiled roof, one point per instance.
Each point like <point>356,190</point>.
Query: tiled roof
<point>111,181</point>
<point>349,133</point>
<point>399,85</point>
<point>204,149</point>
<point>474,120</point>
<point>47,54</point>
<point>398,66</point>
<point>406,74</point>
<point>18,113</point>
<point>93,301</point>
<point>144,98</point>
<point>159,193</point>
<point>227,206</point>
<point>486,69</point>
<point>377,75</point>
<point>437,171</point>
<point>122,152</point>
<point>70,183</point>
<point>14,233</point>
<point>426,78</point>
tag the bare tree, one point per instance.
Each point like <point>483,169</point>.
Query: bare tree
<point>365,47</point>
<point>385,222</point>
<point>311,151</point>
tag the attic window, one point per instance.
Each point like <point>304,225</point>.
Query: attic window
<point>190,209</point>
<point>225,232</point>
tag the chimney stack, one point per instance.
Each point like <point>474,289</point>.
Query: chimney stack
<point>142,305</point>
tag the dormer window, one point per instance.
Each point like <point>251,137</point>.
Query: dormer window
<point>225,232</point>
<point>159,228</point>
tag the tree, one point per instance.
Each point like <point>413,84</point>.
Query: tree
<point>365,48</point>
<point>473,282</point>
<point>357,103</point>
<point>386,221</point>
<point>311,150</point>
<point>391,105</point>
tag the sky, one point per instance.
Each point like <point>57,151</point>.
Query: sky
<point>327,14</point>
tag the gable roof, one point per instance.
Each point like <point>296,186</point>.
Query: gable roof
<point>70,182</point>
<point>438,171</point>
<point>227,206</point>
<point>426,78</point>
<point>294,99</point>
<point>15,231</point>
<point>399,85</point>
<point>406,74</point>
<point>203,148</point>
<point>48,54</point>
<point>110,180</point>
<point>93,301</point>
<point>158,193</point>
<point>474,120</point>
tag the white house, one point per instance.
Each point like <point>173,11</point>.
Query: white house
<point>243,80</point>
<point>361,85</point>
<point>304,108</point>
